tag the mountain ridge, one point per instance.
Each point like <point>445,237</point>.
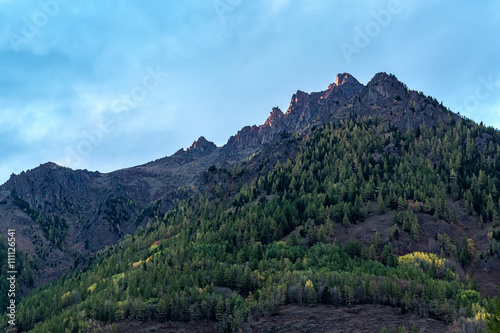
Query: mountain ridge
<point>356,195</point>
<point>100,208</point>
<point>345,85</point>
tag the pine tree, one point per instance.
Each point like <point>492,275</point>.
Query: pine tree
<point>329,227</point>
<point>427,206</point>
<point>161,310</point>
<point>376,240</point>
<point>394,233</point>
<point>381,204</point>
<point>493,319</point>
<point>345,221</point>
<point>402,204</point>
<point>219,309</point>
<point>414,229</point>
<point>372,253</point>
<point>349,295</point>
<point>388,256</point>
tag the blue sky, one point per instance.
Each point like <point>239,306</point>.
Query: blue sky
<point>107,85</point>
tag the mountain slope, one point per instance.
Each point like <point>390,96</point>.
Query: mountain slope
<point>100,208</point>
<point>97,209</point>
<point>334,166</point>
<point>279,231</point>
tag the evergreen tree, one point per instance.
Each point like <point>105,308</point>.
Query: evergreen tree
<point>493,319</point>
<point>381,204</point>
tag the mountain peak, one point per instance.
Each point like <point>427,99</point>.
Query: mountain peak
<point>344,78</point>
<point>49,165</point>
<point>276,114</point>
<point>202,145</point>
<point>386,85</point>
<point>345,85</point>
<point>383,77</point>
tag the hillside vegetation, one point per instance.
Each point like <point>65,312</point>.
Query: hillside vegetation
<point>249,247</point>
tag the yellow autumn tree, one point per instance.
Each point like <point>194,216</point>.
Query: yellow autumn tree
<point>310,293</point>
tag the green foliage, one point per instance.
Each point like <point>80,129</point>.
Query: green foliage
<point>388,256</point>
<point>493,319</point>
<point>54,227</point>
<point>223,258</point>
<point>116,210</point>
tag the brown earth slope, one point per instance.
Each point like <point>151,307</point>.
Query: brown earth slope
<point>304,319</point>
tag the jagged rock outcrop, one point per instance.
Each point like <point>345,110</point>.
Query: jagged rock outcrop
<point>275,118</point>
<point>202,147</point>
<point>305,109</point>
<point>320,106</point>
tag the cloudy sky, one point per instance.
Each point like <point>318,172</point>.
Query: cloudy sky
<point>103,85</point>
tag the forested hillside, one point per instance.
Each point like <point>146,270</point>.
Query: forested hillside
<point>245,248</point>
<point>64,216</point>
